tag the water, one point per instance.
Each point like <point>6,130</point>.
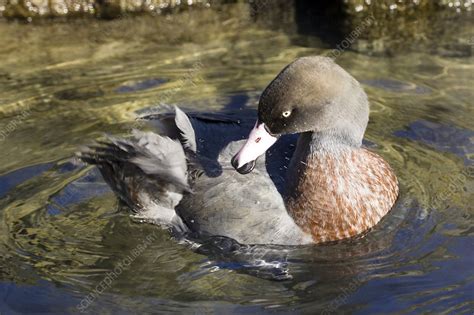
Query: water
<point>62,233</point>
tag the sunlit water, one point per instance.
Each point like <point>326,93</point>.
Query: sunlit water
<point>62,232</point>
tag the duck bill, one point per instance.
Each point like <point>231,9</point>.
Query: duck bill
<point>258,142</point>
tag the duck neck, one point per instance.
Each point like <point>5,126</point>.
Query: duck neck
<point>330,140</point>
<point>313,144</point>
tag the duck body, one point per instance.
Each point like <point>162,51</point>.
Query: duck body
<point>318,186</point>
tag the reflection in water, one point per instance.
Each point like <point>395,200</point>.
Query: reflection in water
<point>62,230</point>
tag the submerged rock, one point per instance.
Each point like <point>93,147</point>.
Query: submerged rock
<point>385,27</point>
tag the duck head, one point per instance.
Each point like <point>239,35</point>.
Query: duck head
<point>312,94</point>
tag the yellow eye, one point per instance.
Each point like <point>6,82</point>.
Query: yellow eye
<point>286,113</point>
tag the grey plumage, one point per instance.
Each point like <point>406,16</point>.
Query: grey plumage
<point>209,196</point>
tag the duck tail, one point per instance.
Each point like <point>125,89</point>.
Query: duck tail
<point>147,172</point>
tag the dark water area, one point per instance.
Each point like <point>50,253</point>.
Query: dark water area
<point>67,246</point>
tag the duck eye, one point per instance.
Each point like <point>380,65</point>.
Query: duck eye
<point>286,113</point>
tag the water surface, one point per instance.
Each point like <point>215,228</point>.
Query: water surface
<point>62,232</point>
